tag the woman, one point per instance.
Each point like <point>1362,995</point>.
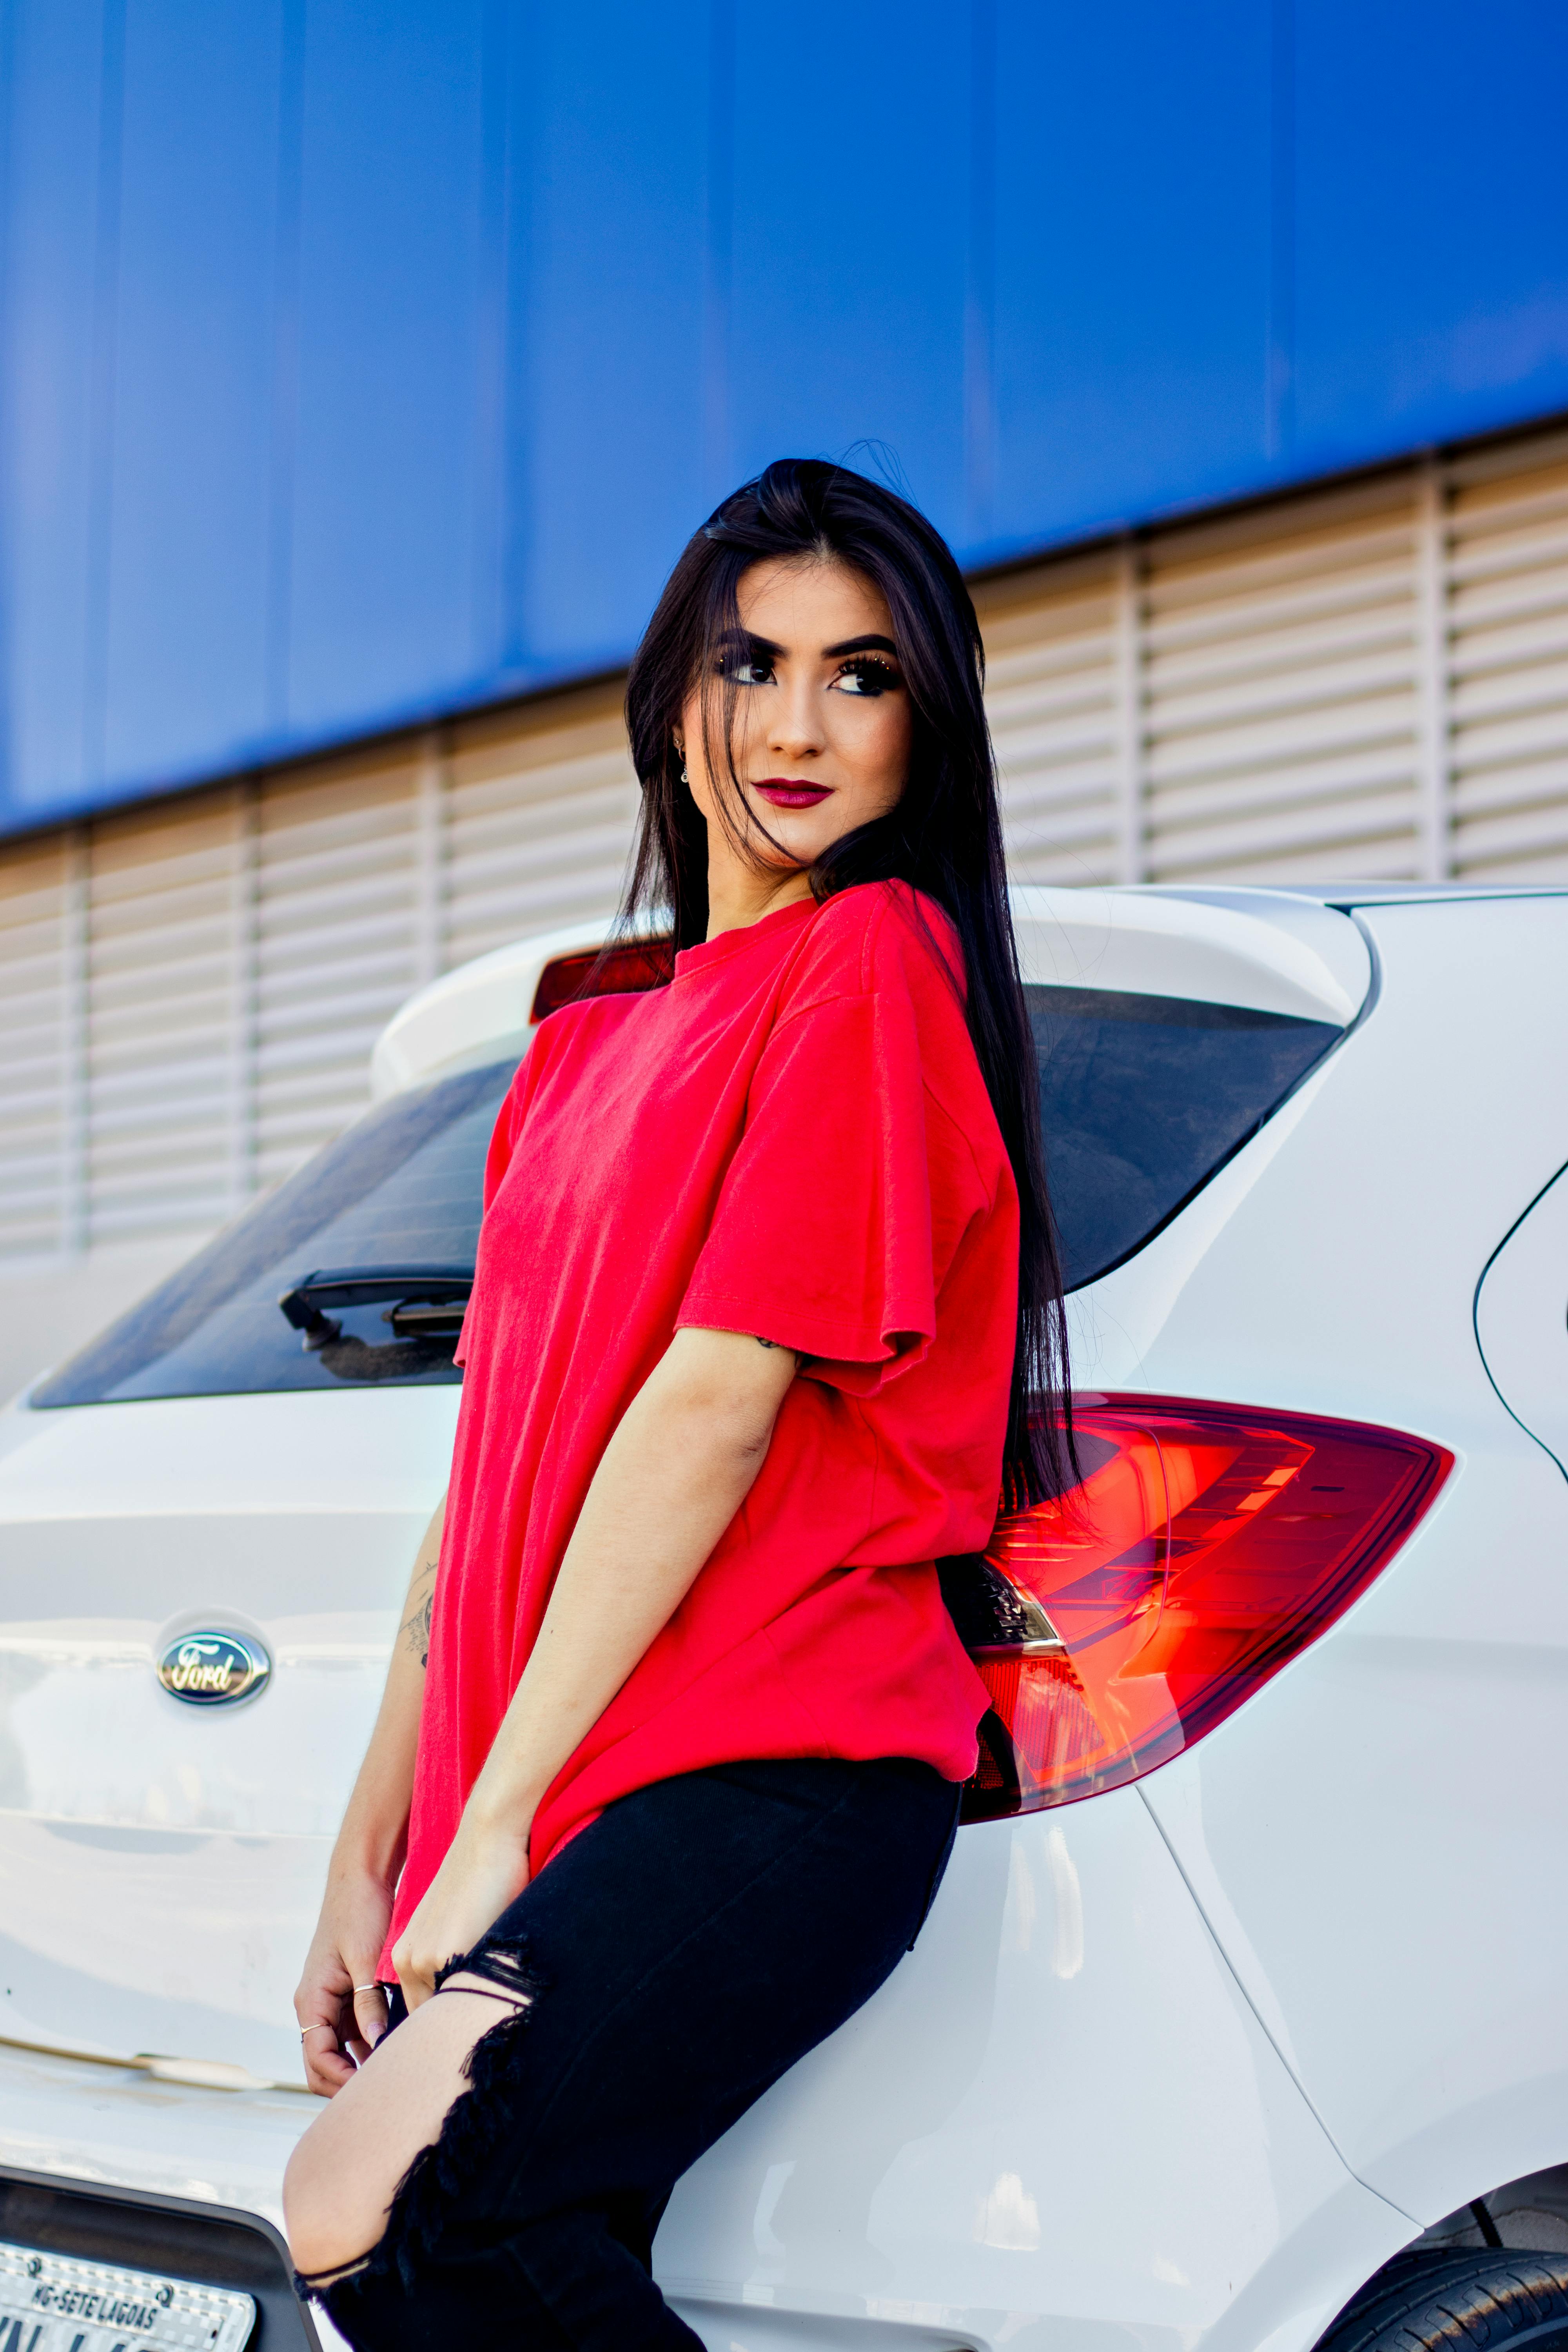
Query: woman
<point>669,1755</point>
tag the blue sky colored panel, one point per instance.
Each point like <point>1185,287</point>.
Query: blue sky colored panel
<point>51,220</point>
<point>1132,241</point>
<point>361,359</point>
<point>848,253</point>
<point>190,481</point>
<point>608,220</point>
<point>1432,222</point>
<point>388,507</point>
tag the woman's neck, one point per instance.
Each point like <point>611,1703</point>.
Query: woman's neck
<point>739,895</point>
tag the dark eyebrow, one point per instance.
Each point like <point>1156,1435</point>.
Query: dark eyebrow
<point>755,645</point>
<point>861,646</point>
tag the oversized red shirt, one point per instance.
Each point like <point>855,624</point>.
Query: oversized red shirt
<point>793,1139</point>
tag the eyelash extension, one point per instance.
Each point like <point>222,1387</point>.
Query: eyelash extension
<point>865,665</point>
<point>878,672</point>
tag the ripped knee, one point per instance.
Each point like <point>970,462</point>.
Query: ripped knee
<point>495,1970</point>
<point>443,2176</point>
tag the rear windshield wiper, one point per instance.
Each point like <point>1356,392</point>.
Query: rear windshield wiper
<point>430,1300</point>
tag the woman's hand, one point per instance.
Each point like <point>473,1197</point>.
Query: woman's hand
<point>486,1868</point>
<point>340,2026</point>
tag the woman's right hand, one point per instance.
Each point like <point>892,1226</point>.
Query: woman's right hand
<point>340,2025</point>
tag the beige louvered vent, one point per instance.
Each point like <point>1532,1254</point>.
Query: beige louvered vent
<point>537,824</point>
<point>333,892</point>
<point>1057,696</point>
<point>1507,692</point>
<point>161,1078</point>
<point>38,959</point>
<point>1279,701</point>
<point>1366,681</point>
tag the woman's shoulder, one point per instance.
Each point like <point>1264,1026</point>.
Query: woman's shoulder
<point>881,935</point>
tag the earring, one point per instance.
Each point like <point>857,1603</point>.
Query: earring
<point>684,777</point>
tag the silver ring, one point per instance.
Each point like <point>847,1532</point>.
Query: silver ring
<point>376,1986</point>
<point>321,2026</point>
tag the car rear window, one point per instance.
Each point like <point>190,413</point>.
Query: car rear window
<point>401,1187</point>
<point>1142,1099</point>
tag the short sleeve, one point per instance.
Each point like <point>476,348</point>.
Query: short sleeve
<point>821,1240</point>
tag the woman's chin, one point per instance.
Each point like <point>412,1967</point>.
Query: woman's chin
<point>795,842</point>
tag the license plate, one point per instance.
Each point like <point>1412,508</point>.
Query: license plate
<point>51,2302</point>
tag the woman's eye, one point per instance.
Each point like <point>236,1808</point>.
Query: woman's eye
<point>868,676</point>
<point>750,673</point>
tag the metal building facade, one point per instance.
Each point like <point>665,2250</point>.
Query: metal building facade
<point>363,362</point>
<point>1370,680</point>
<point>363,369</point>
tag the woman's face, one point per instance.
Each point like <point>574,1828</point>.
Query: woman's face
<point>822,726</point>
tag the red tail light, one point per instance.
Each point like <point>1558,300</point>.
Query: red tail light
<point>1206,1545</point>
<point>637,964</point>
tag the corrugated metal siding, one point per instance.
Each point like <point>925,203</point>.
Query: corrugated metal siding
<point>1368,681</point>
<point>333,891</point>
<point>35,1055</point>
<point>536,823</point>
<point>1505,530</point>
<point>1280,704</point>
<point>160,1079</point>
<point>1057,695</point>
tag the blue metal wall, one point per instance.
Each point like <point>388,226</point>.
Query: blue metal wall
<point>365,358</point>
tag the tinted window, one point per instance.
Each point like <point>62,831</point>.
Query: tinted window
<point>1143,1098</point>
<point>401,1187</point>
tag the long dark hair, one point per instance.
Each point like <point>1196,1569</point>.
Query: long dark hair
<point>944,836</point>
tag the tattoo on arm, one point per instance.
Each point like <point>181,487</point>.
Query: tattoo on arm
<point>415,1627</point>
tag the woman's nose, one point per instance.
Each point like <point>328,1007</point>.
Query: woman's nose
<point>797,730</point>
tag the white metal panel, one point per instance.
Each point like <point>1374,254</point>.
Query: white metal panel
<point>1522,1320</point>
<point>1263,949</point>
<point>1059,2108</point>
<point>123,1527</point>
<point>1423,1730</point>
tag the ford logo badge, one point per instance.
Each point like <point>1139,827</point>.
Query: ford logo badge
<point>208,1669</point>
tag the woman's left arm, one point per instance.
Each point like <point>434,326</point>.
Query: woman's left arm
<point>670,1480</point>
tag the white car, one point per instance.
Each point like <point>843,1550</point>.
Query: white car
<point>1244,2005</point>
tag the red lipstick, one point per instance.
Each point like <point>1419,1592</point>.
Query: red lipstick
<point>789,791</point>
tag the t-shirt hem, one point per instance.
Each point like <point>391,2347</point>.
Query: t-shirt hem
<point>807,1334</point>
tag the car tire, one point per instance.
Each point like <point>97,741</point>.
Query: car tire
<point>1454,2303</point>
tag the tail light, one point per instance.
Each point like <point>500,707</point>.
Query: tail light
<point>1206,1545</point>
<point>621,971</point>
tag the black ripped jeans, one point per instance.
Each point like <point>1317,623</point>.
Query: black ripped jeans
<point>682,1953</point>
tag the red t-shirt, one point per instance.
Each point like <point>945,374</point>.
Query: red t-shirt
<point>793,1139</point>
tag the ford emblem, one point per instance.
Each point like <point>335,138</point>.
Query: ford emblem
<point>209,1669</point>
